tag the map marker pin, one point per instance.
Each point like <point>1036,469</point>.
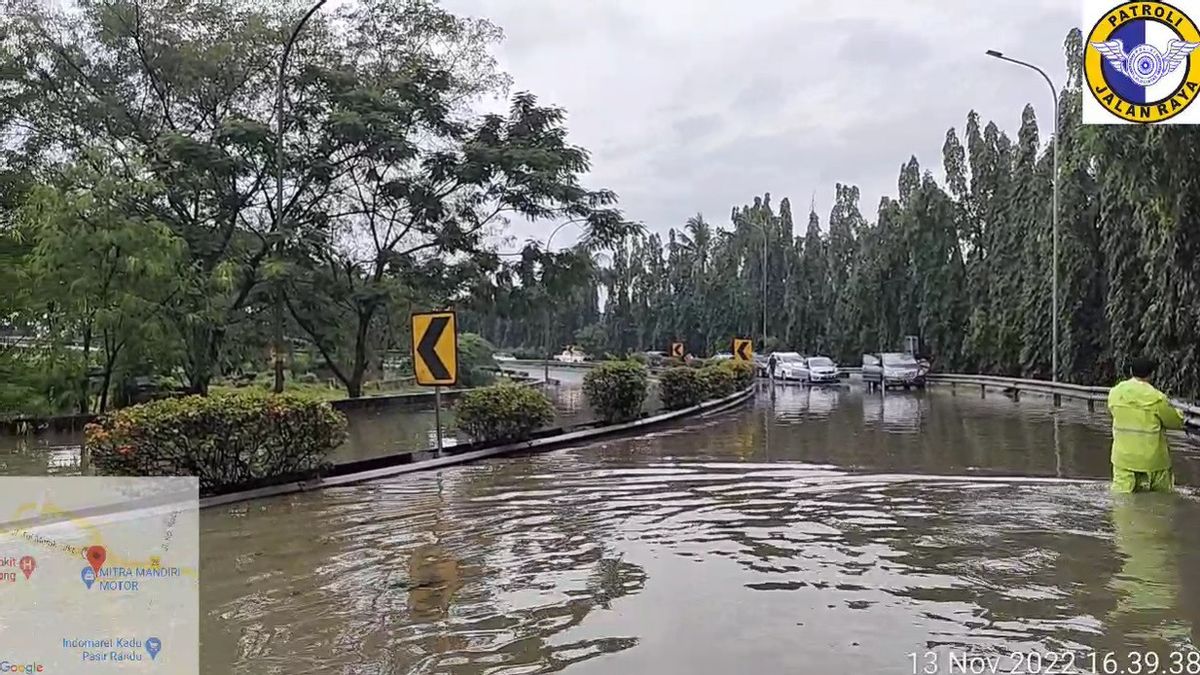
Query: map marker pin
<point>28,564</point>
<point>154,646</point>
<point>89,577</point>
<point>96,556</point>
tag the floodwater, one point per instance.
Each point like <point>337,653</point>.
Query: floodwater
<point>821,531</point>
<point>371,432</point>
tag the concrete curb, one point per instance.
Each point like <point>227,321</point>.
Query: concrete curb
<point>705,409</point>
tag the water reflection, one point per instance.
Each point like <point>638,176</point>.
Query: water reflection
<point>895,411</point>
<point>52,453</point>
<point>1147,584</point>
<point>796,402</point>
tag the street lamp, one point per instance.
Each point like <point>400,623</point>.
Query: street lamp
<point>546,333</point>
<point>1053,213</point>
<point>763,228</point>
<point>279,88</point>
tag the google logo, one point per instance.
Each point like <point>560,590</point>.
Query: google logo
<point>10,667</point>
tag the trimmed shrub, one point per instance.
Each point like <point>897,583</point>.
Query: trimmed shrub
<point>718,381</point>
<point>743,373</point>
<point>640,358</point>
<point>503,412</point>
<point>616,390</point>
<point>224,440</point>
<point>681,388</point>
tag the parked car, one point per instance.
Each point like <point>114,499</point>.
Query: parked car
<point>892,369</point>
<point>820,369</point>
<point>570,355</point>
<point>760,366</point>
<point>790,366</point>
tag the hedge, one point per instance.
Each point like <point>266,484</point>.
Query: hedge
<point>225,440</point>
<point>743,373</point>
<point>504,412</point>
<point>681,387</point>
<point>718,380</point>
<point>616,390</point>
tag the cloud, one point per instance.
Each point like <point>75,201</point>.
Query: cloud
<point>699,105</point>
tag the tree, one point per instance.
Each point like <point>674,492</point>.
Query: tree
<point>181,94</point>
<point>101,275</point>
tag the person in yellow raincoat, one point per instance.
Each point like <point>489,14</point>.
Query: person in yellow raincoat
<point>1141,415</point>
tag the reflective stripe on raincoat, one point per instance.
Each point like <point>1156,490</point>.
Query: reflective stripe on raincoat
<point>1140,416</point>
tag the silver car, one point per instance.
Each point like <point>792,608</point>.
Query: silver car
<point>820,370</point>
<point>892,370</point>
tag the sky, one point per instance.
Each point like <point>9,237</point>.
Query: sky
<point>699,105</point>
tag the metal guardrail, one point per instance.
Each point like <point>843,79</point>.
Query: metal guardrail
<point>1056,390</point>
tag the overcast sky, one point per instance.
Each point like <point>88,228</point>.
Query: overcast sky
<point>698,105</point>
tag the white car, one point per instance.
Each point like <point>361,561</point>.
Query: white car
<point>790,366</point>
<point>820,369</point>
<point>569,356</point>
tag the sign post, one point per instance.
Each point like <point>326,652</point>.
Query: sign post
<point>743,349</point>
<point>435,356</point>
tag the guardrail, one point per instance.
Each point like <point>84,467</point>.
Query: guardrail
<point>1056,390</point>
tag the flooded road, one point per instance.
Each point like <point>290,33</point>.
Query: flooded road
<point>821,531</point>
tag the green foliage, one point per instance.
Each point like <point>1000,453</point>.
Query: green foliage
<point>503,412</point>
<point>103,274</point>
<point>224,440</point>
<point>394,185</point>
<point>592,339</point>
<point>741,372</point>
<point>682,388</point>
<point>38,382</point>
<point>719,380</point>
<point>476,362</point>
<point>616,390</point>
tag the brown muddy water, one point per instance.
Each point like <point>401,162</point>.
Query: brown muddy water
<point>821,531</point>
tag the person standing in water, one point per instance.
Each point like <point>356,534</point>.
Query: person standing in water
<point>1141,416</point>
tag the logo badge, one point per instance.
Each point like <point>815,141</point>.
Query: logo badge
<point>1140,63</point>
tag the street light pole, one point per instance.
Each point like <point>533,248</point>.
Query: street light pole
<point>762,228</point>
<point>1053,214</point>
<point>279,89</point>
<point>763,346</point>
<point>546,333</point>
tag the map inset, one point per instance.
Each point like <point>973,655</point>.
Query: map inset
<point>99,575</point>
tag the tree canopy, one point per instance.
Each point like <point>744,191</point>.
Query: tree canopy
<point>142,135</point>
